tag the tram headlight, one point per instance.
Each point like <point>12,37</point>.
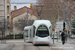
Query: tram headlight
<point>36,37</point>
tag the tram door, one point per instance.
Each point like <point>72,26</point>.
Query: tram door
<point>26,35</point>
<point>31,34</point>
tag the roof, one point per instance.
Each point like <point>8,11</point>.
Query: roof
<point>39,22</point>
<point>23,10</point>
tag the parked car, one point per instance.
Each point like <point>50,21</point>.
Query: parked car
<point>55,36</point>
<point>73,36</point>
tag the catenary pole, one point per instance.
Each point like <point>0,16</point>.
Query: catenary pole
<point>64,17</point>
<point>27,17</point>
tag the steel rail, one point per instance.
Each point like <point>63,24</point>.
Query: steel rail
<point>37,48</point>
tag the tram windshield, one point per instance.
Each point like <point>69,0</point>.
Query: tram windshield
<point>42,31</point>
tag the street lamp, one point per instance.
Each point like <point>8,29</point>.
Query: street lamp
<point>27,17</point>
<point>39,10</point>
<point>64,15</point>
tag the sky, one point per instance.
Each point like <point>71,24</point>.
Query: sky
<point>21,5</point>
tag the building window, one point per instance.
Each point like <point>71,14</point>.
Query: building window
<point>7,17</point>
<point>7,9</point>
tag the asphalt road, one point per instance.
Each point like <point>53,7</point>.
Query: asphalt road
<point>30,46</point>
<point>21,45</point>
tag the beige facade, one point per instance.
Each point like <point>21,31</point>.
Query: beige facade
<point>8,16</point>
<point>22,16</point>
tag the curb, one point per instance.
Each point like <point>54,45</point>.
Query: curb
<point>9,47</point>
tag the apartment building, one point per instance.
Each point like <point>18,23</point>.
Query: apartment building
<point>5,13</point>
<point>3,17</point>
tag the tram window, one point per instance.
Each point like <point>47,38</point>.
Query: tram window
<point>42,31</point>
<point>34,31</point>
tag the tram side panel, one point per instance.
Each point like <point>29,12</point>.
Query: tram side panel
<point>26,39</point>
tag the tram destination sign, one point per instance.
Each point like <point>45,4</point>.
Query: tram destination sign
<point>42,28</point>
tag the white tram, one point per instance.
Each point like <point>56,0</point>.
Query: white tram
<point>28,30</point>
<point>39,32</point>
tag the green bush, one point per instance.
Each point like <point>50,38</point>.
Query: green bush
<point>17,36</point>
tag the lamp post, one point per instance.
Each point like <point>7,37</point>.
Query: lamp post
<point>27,17</point>
<point>64,15</point>
<point>39,10</point>
<point>64,18</point>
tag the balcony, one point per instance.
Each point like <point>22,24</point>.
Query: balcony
<point>8,14</point>
<point>8,3</point>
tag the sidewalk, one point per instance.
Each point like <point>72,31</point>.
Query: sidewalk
<point>67,46</point>
<point>5,46</point>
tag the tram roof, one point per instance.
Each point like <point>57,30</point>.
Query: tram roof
<point>39,22</point>
<point>27,27</point>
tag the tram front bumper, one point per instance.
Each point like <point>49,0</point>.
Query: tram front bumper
<point>41,41</point>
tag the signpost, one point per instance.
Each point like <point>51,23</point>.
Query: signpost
<point>59,26</point>
<point>53,35</point>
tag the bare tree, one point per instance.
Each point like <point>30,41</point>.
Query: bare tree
<point>22,23</point>
<point>3,29</point>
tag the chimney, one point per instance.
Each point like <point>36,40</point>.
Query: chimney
<point>15,8</point>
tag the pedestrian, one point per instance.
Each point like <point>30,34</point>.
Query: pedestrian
<point>63,37</point>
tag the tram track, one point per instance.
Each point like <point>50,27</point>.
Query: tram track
<point>37,48</point>
<point>47,48</point>
<point>32,47</point>
<point>29,46</point>
<point>42,47</point>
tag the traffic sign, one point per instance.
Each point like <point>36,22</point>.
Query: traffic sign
<point>31,5</point>
<point>59,26</point>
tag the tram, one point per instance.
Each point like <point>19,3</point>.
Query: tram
<point>41,32</point>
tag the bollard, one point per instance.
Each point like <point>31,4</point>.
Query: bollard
<point>53,38</point>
